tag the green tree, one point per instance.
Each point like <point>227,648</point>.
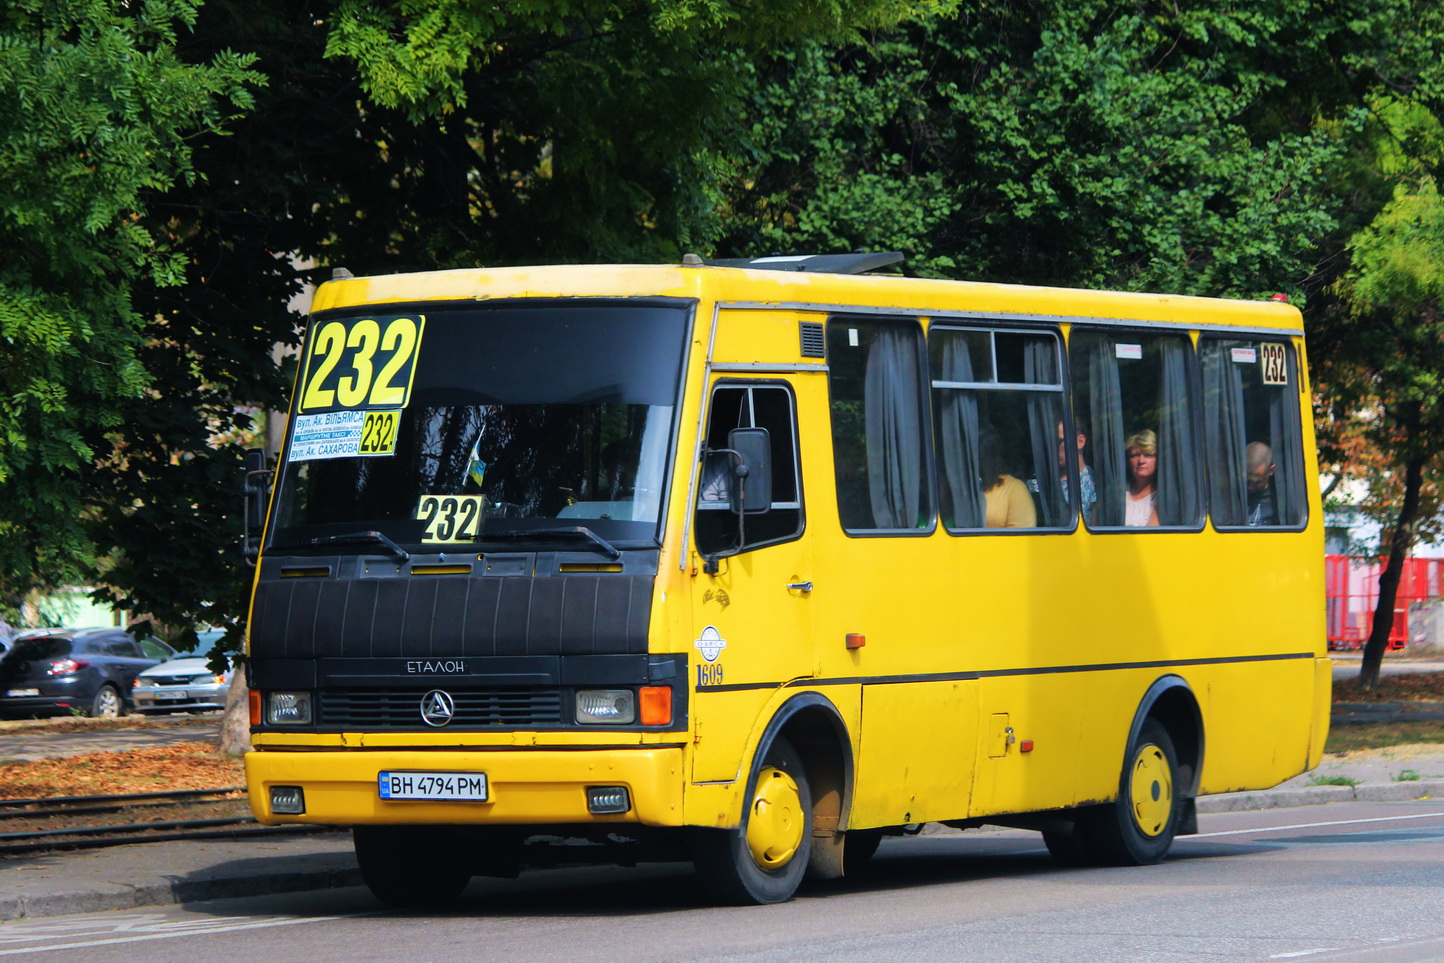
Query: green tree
<point>97,113</point>
<point>1386,369</point>
<point>1130,145</point>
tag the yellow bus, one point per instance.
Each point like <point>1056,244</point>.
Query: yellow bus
<point>753,563</point>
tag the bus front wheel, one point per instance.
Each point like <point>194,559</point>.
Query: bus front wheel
<point>412,866</point>
<point>764,859</point>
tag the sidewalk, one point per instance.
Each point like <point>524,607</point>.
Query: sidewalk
<point>125,877</point>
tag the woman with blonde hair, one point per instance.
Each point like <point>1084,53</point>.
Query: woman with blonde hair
<point>1140,504</point>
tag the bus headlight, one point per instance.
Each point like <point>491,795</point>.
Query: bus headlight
<point>616,707</point>
<point>288,708</point>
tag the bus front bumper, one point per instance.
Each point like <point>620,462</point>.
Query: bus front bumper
<point>531,787</point>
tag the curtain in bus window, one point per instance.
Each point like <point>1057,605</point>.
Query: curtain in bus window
<point>1105,403</point>
<point>1179,501</point>
<point>1045,415</point>
<point>958,416</point>
<point>1288,450</point>
<point>893,428</point>
<point>1224,435</point>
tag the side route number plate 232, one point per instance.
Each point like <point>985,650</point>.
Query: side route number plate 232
<point>462,786</point>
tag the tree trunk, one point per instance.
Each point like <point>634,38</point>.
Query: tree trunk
<point>235,736</point>
<point>1399,545</point>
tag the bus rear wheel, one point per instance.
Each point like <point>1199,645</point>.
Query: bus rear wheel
<point>1138,829</point>
<point>764,859</point>
<point>412,866</point>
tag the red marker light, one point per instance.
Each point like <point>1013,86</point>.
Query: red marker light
<point>856,640</point>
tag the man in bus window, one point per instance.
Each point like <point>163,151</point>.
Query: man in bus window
<point>1259,467</point>
<point>1086,492</point>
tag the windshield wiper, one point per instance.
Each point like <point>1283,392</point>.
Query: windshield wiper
<point>577,531</point>
<point>364,538</point>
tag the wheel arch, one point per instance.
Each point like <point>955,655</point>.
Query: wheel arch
<point>816,729</point>
<point>1171,701</point>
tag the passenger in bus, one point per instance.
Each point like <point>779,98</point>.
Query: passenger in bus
<point>1008,504</point>
<point>1259,466</point>
<point>1141,504</point>
<point>1087,493</point>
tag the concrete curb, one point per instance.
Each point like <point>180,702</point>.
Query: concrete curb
<point>1233,802</point>
<point>319,871</point>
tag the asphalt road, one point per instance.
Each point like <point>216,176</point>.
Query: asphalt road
<point>1352,881</point>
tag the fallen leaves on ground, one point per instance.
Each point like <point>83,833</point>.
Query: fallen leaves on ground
<point>188,765</point>
<point>1406,687</point>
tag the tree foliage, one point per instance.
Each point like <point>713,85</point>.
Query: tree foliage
<point>1387,331</point>
<point>1130,145</point>
<point>96,112</point>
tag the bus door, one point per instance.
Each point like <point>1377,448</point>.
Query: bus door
<point>750,607</point>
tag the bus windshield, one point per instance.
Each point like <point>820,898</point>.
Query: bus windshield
<point>451,426</point>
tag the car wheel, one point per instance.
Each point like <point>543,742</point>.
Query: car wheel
<point>107,703</point>
<point>764,859</point>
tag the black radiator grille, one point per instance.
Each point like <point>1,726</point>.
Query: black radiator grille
<point>508,707</point>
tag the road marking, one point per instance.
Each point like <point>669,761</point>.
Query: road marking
<point>1389,944</point>
<point>1340,822</point>
<point>174,929</point>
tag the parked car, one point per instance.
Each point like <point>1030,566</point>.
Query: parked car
<point>186,683</point>
<point>87,671</point>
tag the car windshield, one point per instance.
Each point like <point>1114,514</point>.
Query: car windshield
<point>449,426</point>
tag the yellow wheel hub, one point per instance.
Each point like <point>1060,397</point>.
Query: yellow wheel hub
<point>774,827</point>
<point>1152,790</point>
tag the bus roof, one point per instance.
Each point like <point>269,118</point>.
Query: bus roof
<point>801,290</point>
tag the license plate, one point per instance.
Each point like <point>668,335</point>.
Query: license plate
<point>464,786</point>
<point>182,694</point>
<point>17,693</point>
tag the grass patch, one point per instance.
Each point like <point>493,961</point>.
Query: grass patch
<point>1333,781</point>
<point>1352,738</point>
<point>1407,775</point>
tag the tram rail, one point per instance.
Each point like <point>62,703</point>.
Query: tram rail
<point>88,822</point>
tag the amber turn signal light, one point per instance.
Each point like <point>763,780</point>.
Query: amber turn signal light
<point>656,705</point>
<point>254,697</point>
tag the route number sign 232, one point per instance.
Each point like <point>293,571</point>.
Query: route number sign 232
<point>361,363</point>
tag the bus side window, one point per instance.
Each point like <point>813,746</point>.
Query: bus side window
<point>997,414</point>
<point>1133,392</point>
<point>1252,436</point>
<point>879,410</point>
<point>736,405</point>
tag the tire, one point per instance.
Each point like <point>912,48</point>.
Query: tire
<point>1138,829</point>
<point>764,859</point>
<point>858,850</point>
<point>1069,849</point>
<point>107,703</point>
<point>412,866</point>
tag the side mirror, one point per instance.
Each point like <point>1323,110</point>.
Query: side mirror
<point>752,493</point>
<point>256,486</point>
